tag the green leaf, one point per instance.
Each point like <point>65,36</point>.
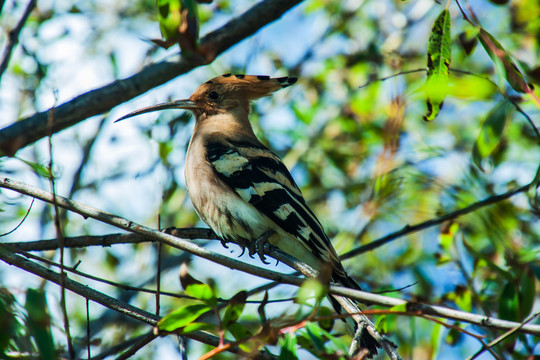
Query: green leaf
<point>316,335</point>
<point>288,347</point>
<point>39,323</point>
<point>197,326</point>
<point>527,287</point>
<point>178,23</point>
<point>234,309</point>
<point>196,288</point>
<point>471,88</point>
<point>239,331</point>
<point>500,56</point>
<point>170,18</point>
<point>8,321</point>
<point>439,56</point>
<point>311,288</point>
<point>436,336</point>
<point>202,292</point>
<point>509,302</point>
<point>41,170</point>
<point>454,336</point>
<point>491,133</point>
<point>326,324</point>
<point>182,316</point>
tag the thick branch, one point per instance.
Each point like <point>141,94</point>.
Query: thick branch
<point>107,240</point>
<point>95,102</point>
<point>87,211</point>
<point>363,297</point>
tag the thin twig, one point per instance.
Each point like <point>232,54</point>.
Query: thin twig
<point>88,328</point>
<point>158,274</point>
<point>22,221</point>
<point>409,229</point>
<point>137,346</point>
<point>120,347</point>
<point>504,336</point>
<point>531,122</point>
<point>465,72</point>
<point>8,256</point>
<point>13,37</point>
<point>59,236</point>
<point>392,76</point>
<point>102,280</point>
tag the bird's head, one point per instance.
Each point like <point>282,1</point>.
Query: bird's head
<point>222,94</point>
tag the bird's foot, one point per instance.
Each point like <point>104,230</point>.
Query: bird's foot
<point>224,243</point>
<point>257,246</point>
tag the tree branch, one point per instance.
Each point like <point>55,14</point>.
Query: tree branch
<point>409,229</point>
<point>13,37</point>
<point>107,240</point>
<point>363,297</point>
<point>33,128</point>
<point>8,256</point>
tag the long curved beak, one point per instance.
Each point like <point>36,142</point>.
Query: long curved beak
<point>178,104</point>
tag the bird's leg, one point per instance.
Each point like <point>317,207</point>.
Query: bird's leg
<point>257,246</point>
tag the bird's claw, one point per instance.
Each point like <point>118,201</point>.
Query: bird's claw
<point>257,247</point>
<point>224,243</point>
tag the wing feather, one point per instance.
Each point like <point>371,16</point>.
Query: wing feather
<point>260,178</point>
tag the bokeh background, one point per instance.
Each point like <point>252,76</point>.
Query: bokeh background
<point>358,147</point>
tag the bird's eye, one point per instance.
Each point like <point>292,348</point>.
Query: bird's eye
<point>213,95</point>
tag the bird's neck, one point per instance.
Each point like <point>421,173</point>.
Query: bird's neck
<point>229,122</point>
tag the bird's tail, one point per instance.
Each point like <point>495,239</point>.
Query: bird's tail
<point>365,335</point>
<point>357,324</point>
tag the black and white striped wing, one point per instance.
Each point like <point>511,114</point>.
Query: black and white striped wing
<point>260,178</point>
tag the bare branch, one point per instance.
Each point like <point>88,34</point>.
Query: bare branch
<point>98,101</point>
<point>107,240</point>
<point>363,297</point>
<point>434,310</point>
<point>409,229</point>
<point>8,256</point>
<point>87,211</point>
<point>13,37</point>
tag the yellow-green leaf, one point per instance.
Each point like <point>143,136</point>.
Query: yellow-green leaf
<point>491,133</point>
<point>311,288</point>
<point>234,309</point>
<point>499,55</point>
<point>182,316</point>
<point>288,347</point>
<point>438,63</point>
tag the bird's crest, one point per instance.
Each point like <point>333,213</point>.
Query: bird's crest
<point>250,87</point>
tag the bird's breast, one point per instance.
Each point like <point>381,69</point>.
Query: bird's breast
<point>217,204</point>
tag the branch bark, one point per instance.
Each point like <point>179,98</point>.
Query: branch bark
<point>95,102</point>
<point>361,296</point>
<point>8,256</point>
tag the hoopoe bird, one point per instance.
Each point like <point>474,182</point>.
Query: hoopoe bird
<point>245,193</point>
